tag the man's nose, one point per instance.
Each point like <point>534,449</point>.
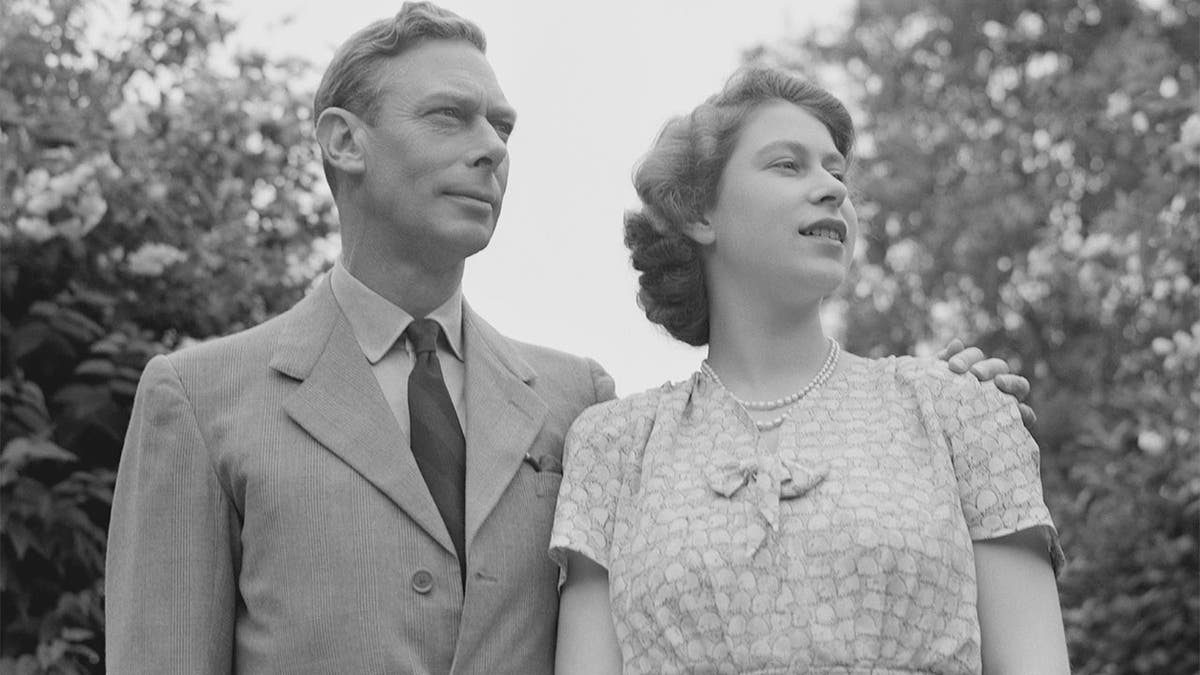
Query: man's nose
<point>491,149</point>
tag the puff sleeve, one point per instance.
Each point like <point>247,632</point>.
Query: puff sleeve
<point>586,513</point>
<point>996,461</point>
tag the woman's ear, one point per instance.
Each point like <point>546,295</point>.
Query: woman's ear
<point>700,231</point>
<point>341,144</point>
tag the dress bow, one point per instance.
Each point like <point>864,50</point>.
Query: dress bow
<point>780,479</point>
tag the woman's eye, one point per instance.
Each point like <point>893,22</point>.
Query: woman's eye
<point>787,164</point>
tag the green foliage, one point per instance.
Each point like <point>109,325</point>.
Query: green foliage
<point>1029,177</point>
<point>153,194</point>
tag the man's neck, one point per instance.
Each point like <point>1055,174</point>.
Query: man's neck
<point>414,289</point>
<point>418,284</point>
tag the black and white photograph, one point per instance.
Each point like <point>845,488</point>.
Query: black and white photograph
<point>544,337</point>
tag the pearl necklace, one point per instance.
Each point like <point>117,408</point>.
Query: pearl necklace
<point>787,402</point>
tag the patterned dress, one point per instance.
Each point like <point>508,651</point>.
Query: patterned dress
<point>845,549</point>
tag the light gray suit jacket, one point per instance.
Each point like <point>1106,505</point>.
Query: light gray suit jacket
<point>270,518</point>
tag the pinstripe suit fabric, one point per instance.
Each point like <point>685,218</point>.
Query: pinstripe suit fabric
<point>269,518</point>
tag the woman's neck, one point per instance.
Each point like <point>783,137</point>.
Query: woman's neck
<point>765,352</point>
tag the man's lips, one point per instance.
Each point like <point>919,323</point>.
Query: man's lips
<point>480,196</point>
<point>827,228</point>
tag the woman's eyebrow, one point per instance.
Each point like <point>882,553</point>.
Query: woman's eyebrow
<point>800,150</point>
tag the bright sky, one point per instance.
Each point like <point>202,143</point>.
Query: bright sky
<point>592,82</point>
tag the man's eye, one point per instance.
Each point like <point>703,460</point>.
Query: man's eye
<point>454,113</point>
<point>503,128</point>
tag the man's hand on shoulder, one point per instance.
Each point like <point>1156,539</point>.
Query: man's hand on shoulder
<point>962,359</point>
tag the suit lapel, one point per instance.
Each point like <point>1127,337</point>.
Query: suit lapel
<point>339,403</point>
<point>504,416</point>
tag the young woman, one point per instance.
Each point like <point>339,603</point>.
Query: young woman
<point>791,507</point>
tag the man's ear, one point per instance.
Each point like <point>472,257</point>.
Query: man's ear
<point>700,231</point>
<point>341,141</point>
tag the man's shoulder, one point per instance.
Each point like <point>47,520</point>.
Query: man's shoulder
<point>541,355</point>
<point>249,344</point>
<point>544,361</point>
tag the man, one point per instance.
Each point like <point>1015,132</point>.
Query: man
<point>364,484</point>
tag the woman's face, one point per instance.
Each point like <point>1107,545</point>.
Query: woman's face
<point>782,224</point>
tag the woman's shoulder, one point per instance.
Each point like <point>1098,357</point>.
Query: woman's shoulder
<point>924,370</point>
<point>626,414</point>
<point>919,377</point>
<point>863,370</point>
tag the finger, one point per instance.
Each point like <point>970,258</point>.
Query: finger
<point>963,361</point>
<point>1028,417</point>
<point>953,347</point>
<point>989,368</point>
<point>1012,384</point>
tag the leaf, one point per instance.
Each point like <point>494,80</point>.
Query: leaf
<point>83,400</point>
<point>75,325</point>
<point>21,451</point>
<point>123,388</point>
<point>22,539</point>
<point>96,368</point>
<point>29,337</point>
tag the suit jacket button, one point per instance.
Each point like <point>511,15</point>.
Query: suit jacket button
<point>422,581</point>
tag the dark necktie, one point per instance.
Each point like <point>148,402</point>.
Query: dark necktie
<point>436,437</point>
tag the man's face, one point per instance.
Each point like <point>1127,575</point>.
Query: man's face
<point>436,155</point>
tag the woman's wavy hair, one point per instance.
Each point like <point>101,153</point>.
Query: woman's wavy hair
<point>678,181</point>
<point>352,79</point>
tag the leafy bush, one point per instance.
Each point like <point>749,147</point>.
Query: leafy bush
<point>153,194</point>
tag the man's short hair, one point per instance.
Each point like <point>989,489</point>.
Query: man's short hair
<point>352,79</point>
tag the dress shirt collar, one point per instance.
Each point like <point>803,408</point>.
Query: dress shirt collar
<point>378,324</point>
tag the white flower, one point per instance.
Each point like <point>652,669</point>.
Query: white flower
<point>1162,346</point>
<point>263,195</point>
<point>1189,134</point>
<point>37,180</point>
<point>129,118</point>
<point>41,203</point>
<point>156,191</point>
<point>104,165</point>
<point>37,229</point>
<point>151,259</point>
<point>902,255</point>
<point>1189,139</point>
<point>328,248</point>
<point>1096,244</point>
<point>1151,442</point>
<point>1118,104</point>
<point>91,208</point>
<point>65,185</point>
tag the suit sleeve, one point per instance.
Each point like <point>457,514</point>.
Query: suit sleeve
<point>170,577</point>
<point>602,383</point>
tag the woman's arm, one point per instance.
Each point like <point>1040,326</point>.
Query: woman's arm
<point>587,641</point>
<point>1019,616</point>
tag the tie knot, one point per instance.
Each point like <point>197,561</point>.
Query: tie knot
<point>423,333</point>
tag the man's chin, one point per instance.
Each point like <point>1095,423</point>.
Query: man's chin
<point>472,240</point>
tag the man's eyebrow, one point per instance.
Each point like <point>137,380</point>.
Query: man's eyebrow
<point>466,100</point>
<point>800,150</point>
<point>448,96</point>
<point>504,113</point>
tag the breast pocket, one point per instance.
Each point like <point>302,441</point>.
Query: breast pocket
<point>546,484</point>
